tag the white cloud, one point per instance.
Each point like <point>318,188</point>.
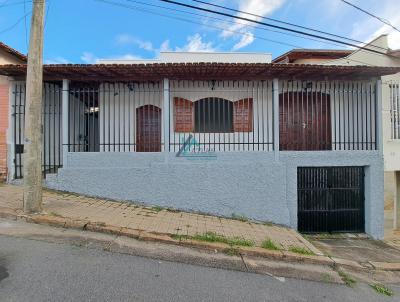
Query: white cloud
<point>369,29</point>
<point>195,43</point>
<point>126,39</point>
<point>165,46</point>
<point>258,7</point>
<point>126,57</point>
<point>56,60</point>
<point>246,39</point>
<point>89,58</point>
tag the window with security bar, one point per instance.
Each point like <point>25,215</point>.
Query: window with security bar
<point>395,110</point>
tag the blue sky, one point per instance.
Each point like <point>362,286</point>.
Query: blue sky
<point>82,31</point>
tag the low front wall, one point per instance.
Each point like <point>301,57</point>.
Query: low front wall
<point>252,184</point>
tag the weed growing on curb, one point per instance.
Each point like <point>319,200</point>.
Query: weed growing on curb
<point>269,245</point>
<point>346,278</point>
<point>300,250</point>
<point>55,214</point>
<point>239,217</point>
<point>232,252</point>
<point>214,237</point>
<point>382,289</point>
<point>157,209</point>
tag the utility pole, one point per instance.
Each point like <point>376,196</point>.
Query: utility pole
<point>33,113</point>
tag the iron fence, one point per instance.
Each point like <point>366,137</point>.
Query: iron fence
<point>394,95</point>
<point>327,115</point>
<point>221,116</point>
<point>51,127</point>
<point>115,117</point>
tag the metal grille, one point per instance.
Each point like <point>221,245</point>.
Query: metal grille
<point>115,117</point>
<point>330,199</point>
<point>327,115</point>
<point>221,115</point>
<point>51,128</point>
<point>395,110</point>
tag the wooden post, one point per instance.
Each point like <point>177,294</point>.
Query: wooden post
<point>33,116</point>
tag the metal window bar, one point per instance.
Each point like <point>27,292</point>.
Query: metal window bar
<point>394,95</point>
<point>51,127</point>
<point>327,115</point>
<point>226,116</point>
<point>115,117</point>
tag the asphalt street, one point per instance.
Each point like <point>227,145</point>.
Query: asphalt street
<point>32,270</point>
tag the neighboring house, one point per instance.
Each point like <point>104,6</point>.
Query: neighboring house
<point>8,55</point>
<point>298,145</point>
<point>390,102</point>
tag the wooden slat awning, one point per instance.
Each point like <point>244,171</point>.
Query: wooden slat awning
<point>200,71</point>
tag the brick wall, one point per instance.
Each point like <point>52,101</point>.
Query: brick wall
<point>3,130</point>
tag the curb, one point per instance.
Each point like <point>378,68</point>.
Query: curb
<point>58,221</point>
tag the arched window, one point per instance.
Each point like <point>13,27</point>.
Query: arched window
<point>213,115</point>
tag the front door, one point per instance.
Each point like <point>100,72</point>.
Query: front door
<point>148,129</point>
<point>304,121</point>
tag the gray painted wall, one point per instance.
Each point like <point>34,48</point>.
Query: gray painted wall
<point>253,184</point>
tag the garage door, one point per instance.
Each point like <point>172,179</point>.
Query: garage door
<point>330,199</point>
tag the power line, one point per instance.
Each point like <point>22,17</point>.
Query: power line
<point>26,31</point>
<point>231,21</point>
<point>191,21</point>
<point>15,24</point>
<point>384,21</point>
<point>272,25</point>
<point>283,22</point>
<point>207,25</point>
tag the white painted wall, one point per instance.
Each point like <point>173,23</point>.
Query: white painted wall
<point>197,57</point>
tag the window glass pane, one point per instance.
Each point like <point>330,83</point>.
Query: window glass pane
<point>213,115</point>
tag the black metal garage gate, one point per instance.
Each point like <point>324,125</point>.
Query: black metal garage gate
<point>330,199</point>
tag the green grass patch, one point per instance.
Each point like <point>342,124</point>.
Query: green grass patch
<point>239,217</point>
<point>55,214</point>
<point>381,289</point>
<point>214,237</point>
<point>157,209</point>
<point>300,250</point>
<point>269,245</point>
<point>180,237</point>
<point>346,278</point>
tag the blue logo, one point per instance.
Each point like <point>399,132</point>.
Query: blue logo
<point>191,149</point>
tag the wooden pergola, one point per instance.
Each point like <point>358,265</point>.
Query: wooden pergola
<point>199,71</point>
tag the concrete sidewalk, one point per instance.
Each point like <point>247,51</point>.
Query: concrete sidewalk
<point>134,218</point>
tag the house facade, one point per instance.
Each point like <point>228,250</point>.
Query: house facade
<point>297,145</point>
<point>390,103</point>
<point>8,55</point>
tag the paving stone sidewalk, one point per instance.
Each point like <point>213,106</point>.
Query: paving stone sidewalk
<point>152,220</point>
